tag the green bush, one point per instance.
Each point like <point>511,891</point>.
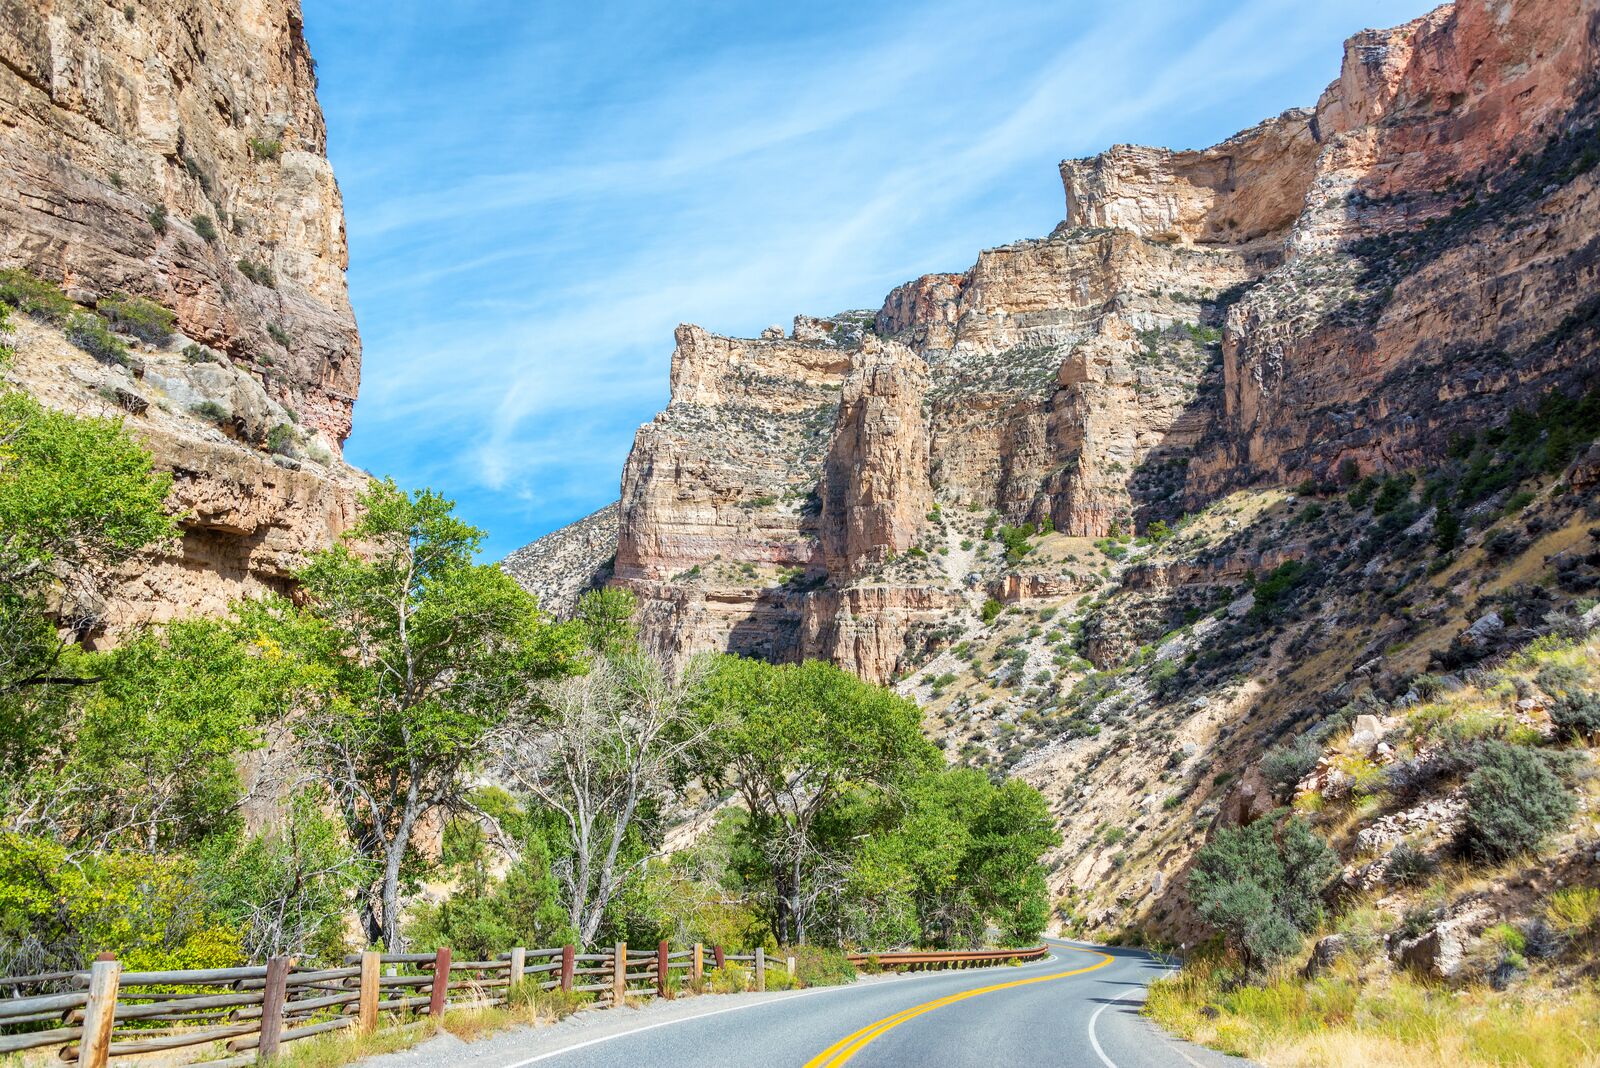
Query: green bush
<point>1285,765</point>
<point>158,219</point>
<point>91,334</point>
<point>259,273</point>
<point>144,319</point>
<point>264,149</point>
<point>205,228</point>
<point>1515,800</point>
<point>200,354</point>
<point>992,609</point>
<point>819,965</point>
<point>278,334</point>
<point>34,296</point>
<point>282,439</point>
<point>1261,886</point>
<point>1577,714</point>
<point>731,978</point>
<point>211,412</point>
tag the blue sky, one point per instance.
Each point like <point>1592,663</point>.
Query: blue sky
<point>537,193</point>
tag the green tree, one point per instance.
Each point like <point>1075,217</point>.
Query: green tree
<point>793,739</point>
<point>287,890</point>
<point>78,498</point>
<point>413,654</point>
<point>1261,885</point>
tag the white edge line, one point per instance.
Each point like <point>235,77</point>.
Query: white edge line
<point>731,1008</point>
<point>1095,1042</point>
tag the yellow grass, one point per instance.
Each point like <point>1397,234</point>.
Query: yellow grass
<point>1398,1021</point>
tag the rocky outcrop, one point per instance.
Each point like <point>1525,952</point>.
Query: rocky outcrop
<point>875,488</point>
<point>174,150</point>
<point>1345,284</point>
<point>564,564</point>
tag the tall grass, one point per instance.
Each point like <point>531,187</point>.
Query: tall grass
<point>1396,1020</point>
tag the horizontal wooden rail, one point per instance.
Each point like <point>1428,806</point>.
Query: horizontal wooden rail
<point>92,1015</point>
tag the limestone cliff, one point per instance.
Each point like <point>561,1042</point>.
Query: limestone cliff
<point>174,150</point>
<point>1337,289</point>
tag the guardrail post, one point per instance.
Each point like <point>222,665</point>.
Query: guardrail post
<point>761,968</point>
<point>273,996</point>
<point>699,972</point>
<point>367,1007</point>
<point>438,993</point>
<point>519,962</point>
<point>788,963</point>
<point>662,967</point>
<point>100,1014</point>
<point>569,964</point>
<point>619,976</point>
<point>718,956</point>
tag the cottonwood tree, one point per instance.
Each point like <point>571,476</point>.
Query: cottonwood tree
<point>614,741</point>
<point>413,653</point>
<point>78,497</point>
<point>793,740</point>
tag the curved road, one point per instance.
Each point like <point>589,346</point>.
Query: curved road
<point>1077,1007</point>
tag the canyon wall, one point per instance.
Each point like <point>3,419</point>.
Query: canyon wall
<point>175,150</point>
<point>1337,289</point>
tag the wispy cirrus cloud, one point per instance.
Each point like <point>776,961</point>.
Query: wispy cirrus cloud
<point>537,194</point>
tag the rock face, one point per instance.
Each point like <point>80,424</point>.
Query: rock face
<point>562,565</point>
<point>174,150</point>
<point>1341,285</point>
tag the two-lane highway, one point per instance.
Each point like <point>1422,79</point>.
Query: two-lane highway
<point>1078,1007</point>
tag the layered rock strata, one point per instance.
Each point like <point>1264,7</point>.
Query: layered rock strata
<point>175,150</point>
<point>1337,289</point>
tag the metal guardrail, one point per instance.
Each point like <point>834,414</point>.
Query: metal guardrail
<point>918,961</point>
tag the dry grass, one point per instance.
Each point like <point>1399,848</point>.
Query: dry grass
<point>1340,1020</point>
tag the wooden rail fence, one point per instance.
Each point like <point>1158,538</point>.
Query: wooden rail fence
<point>93,1016</point>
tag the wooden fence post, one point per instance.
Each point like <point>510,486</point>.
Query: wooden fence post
<point>438,993</point>
<point>761,968</point>
<point>788,963</point>
<point>699,972</point>
<point>663,965</point>
<point>367,1014</point>
<point>569,964</point>
<point>619,976</point>
<point>519,963</point>
<point>273,996</point>
<point>100,1014</point>
<point>718,957</point>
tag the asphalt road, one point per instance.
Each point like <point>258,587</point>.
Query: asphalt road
<point>1079,1007</point>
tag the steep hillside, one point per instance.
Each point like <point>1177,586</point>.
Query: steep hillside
<point>174,151</point>
<point>1346,284</point>
<point>1266,479</point>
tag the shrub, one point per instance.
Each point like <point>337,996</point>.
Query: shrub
<point>1575,910</point>
<point>211,412</point>
<point>259,273</point>
<point>264,149</point>
<point>200,354</point>
<point>1261,886</point>
<point>1158,531</point>
<point>1408,865</point>
<point>278,334</point>
<point>1515,800</point>
<point>729,979</point>
<point>205,228</point>
<point>1273,589</point>
<point>820,966</point>
<point>1287,764</point>
<point>991,610</point>
<point>158,219</point>
<point>144,319</point>
<point>91,334</point>
<point>1577,713</point>
<point>34,296</point>
<point>282,439</point>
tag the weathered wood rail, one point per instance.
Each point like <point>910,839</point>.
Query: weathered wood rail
<point>95,1016</point>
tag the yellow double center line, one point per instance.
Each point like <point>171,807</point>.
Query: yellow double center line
<point>851,1044</point>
